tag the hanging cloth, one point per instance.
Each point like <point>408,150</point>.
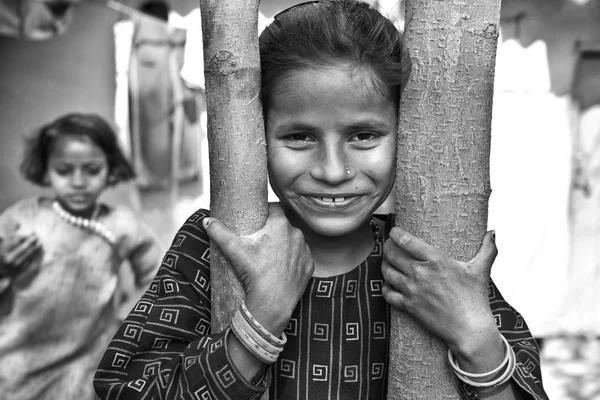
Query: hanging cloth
<point>35,19</point>
<point>163,110</point>
<point>586,83</point>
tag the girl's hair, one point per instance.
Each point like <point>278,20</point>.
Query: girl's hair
<point>38,147</point>
<point>329,32</point>
<point>156,8</point>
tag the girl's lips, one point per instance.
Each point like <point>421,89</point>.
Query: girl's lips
<point>79,198</point>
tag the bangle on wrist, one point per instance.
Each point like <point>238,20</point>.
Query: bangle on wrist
<point>262,331</point>
<point>509,364</point>
<point>255,338</point>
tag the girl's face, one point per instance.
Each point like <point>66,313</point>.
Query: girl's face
<point>331,148</point>
<point>77,171</point>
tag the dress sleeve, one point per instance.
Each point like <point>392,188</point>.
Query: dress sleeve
<point>528,374</point>
<point>164,349</point>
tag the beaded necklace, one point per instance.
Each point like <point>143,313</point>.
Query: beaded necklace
<point>92,224</point>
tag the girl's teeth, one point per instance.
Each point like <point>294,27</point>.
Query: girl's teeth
<point>333,199</point>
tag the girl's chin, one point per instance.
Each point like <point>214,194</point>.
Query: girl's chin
<point>78,209</point>
<point>327,224</point>
<point>330,227</point>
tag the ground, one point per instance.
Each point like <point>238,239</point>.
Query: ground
<point>571,368</point>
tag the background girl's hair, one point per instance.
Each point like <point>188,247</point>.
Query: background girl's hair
<point>38,147</point>
<point>329,32</point>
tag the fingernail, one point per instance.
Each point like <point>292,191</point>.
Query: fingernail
<point>494,235</point>
<point>206,222</point>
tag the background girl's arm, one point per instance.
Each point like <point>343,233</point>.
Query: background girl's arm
<point>16,248</point>
<point>164,349</point>
<point>142,249</point>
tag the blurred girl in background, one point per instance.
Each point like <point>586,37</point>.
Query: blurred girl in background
<point>60,258</point>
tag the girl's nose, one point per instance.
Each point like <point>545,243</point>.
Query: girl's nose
<point>331,166</point>
<point>78,180</point>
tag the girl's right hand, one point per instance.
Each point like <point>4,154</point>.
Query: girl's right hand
<point>15,252</point>
<point>273,265</point>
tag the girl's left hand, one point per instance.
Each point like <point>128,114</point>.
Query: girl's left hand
<point>447,297</point>
<point>16,253</point>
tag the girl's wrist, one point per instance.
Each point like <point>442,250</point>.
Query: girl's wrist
<point>491,379</point>
<point>271,314</point>
<point>481,353</point>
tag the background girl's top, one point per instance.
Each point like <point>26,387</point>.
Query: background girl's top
<point>337,337</point>
<point>57,317</point>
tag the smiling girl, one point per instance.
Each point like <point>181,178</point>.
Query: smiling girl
<point>59,262</point>
<point>322,274</point>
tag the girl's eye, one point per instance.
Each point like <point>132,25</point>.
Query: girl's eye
<point>299,137</point>
<point>363,137</point>
<point>93,170</point>
<point>299,141</point>
<point>62,171</point>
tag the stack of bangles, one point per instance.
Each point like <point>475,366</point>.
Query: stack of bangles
<point>508,366</point>
<point>255,338</point>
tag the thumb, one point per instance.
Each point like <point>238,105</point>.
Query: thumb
<point>227,241</point>
<point>485,256</point>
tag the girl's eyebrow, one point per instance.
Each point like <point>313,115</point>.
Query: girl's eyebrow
<point>69,162</point>
<point>369,124</point>
<point>295,126</point>
<point>363,124</point>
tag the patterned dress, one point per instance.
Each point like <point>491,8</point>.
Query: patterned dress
<point>337,346</point>
<point>57,318</point>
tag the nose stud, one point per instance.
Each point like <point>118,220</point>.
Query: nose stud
<point>348,172</point>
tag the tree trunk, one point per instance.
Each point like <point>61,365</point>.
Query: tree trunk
<point>442,180</point>
<point>236,136</point>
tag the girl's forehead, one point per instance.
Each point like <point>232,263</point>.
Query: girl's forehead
<point>363,77</point>
<point>75,146</point>
<point>341,85</point>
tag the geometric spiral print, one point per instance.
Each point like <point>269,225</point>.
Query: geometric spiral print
<point>337,338</point>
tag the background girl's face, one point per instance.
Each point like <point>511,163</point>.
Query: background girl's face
<point>324,122</point>
<point>77,171</point>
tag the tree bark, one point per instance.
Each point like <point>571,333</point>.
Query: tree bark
<point>442,182</point>
<point>236,136</point>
